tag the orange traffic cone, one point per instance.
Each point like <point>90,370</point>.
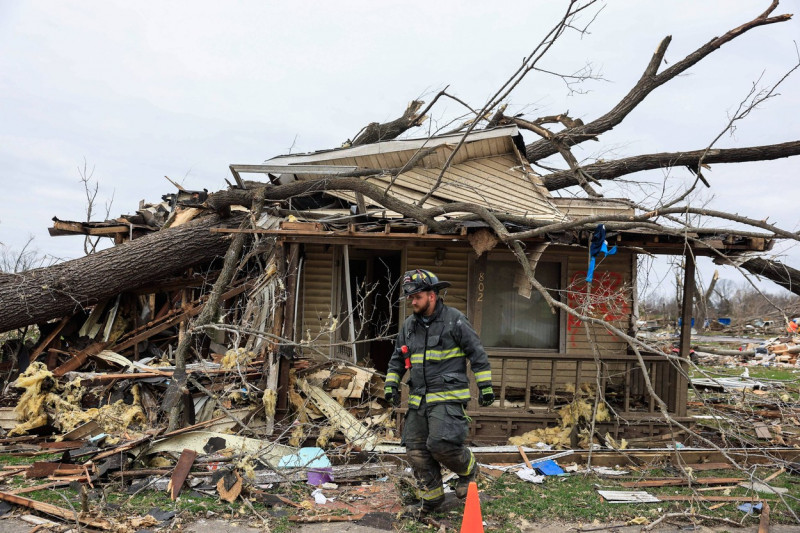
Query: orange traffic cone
<point>473,520</point>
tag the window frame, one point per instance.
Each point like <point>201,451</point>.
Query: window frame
<point>478,267</point>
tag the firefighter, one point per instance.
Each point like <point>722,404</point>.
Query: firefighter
<point>434,345</point>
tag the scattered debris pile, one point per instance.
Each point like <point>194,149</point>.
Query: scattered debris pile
<point>776,351</point>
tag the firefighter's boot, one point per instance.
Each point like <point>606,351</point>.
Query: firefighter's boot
<point>462,485</point>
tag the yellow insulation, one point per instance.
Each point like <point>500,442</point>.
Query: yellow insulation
<point>269,399</point>
<point>30,408</point>
<point>570,415</point>
<point>236,358</point>
<point>39,405</point>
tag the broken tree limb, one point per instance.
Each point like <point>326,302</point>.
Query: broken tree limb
<point>784,275</point>
<point>211,308</point>
<point>376,132</point>
<point>609,170</point>
<point>43,294</point>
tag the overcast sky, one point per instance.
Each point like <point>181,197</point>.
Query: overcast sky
<point>140,90</point>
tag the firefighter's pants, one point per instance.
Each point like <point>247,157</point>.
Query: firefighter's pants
<point>434,435</point>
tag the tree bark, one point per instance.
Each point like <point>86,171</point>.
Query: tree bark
<point>609,170</point>
<point>52,292</point>
<point>211,308</point>
<point>376,132</point>
<point>785,276</point>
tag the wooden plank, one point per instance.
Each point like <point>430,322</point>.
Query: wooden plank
<point>41,469</point>
<point>12,473</point>
<point>697,498</point>
<point>108,230</point>
<point>300,226</point>
<point>88,429</point>
<point>762,431</point>
<point>70,478</point>
<point>681,392</point>
<point>326,518</point>
<point>502,383</point>
<point>8,418</point>
<point>52,510</point>
<point>679,482</point>
<point>153,327</point>
<point>180,473</point>
<point>527,384</point>
<point>552,392</point>
<point>80,358</point>
<point>626,400</point>
<point>43,486</point>
<point>354,431</point>
<point>53,334</point>
<point>61,445</point>
<point>774,475</point>
<point>525,457</point>
<point>710,466</point>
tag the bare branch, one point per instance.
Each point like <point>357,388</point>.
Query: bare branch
<point>649,81</point>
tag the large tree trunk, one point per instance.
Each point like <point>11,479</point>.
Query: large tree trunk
<point>785,276</point>
<point>46,293</point>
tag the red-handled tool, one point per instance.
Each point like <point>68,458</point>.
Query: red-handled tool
<point>404,350</point>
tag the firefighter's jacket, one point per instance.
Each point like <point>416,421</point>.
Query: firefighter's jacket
<point>438,350</point>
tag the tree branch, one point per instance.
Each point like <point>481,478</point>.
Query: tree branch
<point>609,170</point>
<point>649,81</point>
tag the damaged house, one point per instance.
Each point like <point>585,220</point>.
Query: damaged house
<point>328,236</point>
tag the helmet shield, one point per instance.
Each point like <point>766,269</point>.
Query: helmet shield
<point>419,280</point>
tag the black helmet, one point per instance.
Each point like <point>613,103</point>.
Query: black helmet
<point>415,281</point>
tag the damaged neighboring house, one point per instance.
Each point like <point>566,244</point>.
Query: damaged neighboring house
<point>322,275</point>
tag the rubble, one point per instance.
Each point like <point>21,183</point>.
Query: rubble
<point>136,393</point>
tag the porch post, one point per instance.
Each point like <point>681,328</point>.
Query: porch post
<point>682,388</point>
<point>284,351</point>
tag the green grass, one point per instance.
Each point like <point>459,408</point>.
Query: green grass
<point>10,460</point>
<point>785,374</point>
<point>518,505</point>
<point>514,506</point>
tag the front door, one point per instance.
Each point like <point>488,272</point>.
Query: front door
<point>370,315</point>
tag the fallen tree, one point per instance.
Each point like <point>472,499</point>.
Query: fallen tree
<point>784,275</point>
<point>42,294</point>
<point>51,293</point>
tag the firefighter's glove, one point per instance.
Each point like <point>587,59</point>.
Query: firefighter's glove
<point>391,395</point>
<point>487,397</point>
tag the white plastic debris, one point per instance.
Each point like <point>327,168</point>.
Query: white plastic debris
<point>320,498</point>
<point>529,474</point>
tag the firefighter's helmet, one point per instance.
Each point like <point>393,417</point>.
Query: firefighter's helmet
<point>419,280</point>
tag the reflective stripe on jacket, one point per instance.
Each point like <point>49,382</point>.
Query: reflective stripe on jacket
<point>439,350</point>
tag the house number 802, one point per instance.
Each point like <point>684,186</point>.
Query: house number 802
<point>480,286</point>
